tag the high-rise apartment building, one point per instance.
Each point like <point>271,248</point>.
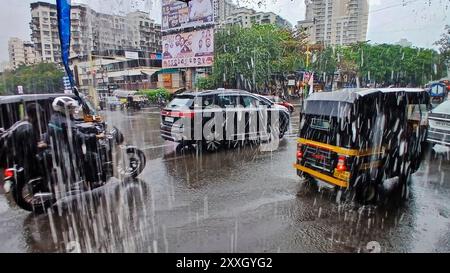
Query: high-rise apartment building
<point>20,53</point>
<point>246,17</point>
<point>223,9</point>
<point>92,31</point>
<point>339,22</point>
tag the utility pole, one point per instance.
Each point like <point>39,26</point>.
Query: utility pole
<point>308,54</point>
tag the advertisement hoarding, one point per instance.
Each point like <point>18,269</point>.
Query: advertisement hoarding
<point>177,14</point>
<point>188,49</point>
<point>131,55</point>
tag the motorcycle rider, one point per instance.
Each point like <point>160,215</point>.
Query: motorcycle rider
<point>70,145</point>
<point>24,141</point>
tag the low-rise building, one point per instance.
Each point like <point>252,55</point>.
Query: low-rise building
<point>124,69</point>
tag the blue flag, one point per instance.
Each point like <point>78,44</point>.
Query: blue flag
<point>63,8</point>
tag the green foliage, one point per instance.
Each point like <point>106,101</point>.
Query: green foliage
<point>248,57</point>
<point>39,78</point>
<point>205,83</point>
<point>153,94</point>
<point>444,45</point>
<point>382,63</point>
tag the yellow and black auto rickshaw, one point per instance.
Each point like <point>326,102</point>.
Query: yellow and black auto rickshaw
<point>368,140</point>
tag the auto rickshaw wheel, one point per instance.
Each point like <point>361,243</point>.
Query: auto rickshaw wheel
<point>367,193</point>
<point>132,163</point>
<point>307,186</point>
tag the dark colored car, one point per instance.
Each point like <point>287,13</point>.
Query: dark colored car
<point>224,117</point>
<point>439,124</point>
<point>280,101</point>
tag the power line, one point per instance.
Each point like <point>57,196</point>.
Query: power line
<point>393,6</point>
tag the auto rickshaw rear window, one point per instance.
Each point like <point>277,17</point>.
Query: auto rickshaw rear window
<point>327,108</point>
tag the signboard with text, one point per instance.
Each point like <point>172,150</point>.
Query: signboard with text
<point>177,14</point>
<point>188,49</point>
<point>131,55</point>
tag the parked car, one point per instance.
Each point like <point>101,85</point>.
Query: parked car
<point>280,101</point>
<point>232,107</point>
<point>439,124</point>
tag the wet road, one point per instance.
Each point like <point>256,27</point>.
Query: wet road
<point>241,200</point>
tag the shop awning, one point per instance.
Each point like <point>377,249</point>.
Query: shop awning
<point>149,72</point>
<point>168,71</point>
<point>132,72</point>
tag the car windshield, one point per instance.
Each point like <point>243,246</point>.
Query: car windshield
<point>443,108</point>
<point>225,126</point>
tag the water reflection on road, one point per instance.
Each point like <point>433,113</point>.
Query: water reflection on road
<point>236,200</point>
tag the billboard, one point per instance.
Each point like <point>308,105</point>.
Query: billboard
<point>188,49</point>
<point>177,14</point>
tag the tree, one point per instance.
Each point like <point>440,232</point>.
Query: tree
<point>205,83</point>
<point>444,46</point>
<point>248,58</point>
<point>444,42</point>
<point>39,78</point>
<point>382,64</point>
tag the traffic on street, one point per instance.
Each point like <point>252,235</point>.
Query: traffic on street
<point>233,200</point>
<point>225,127</point>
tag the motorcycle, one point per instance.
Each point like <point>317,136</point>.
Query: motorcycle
<point>110,158</point>
<point>162,102</point>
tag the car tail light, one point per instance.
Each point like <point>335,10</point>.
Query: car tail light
<point>341,165</point>
<point>187,114</point>
<point>8,173</point>
<point>299,151</point>
<point>178,114</point>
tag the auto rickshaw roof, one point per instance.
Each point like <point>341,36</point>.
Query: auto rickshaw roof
<point>31,97</point>
<point>123,93</point>
<point>350,95</point>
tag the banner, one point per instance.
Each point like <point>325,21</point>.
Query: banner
<point>63,8</point>
<point>177,14</point>
<point>189,49</point>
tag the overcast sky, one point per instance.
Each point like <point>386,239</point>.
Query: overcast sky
<point>419,21</point>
